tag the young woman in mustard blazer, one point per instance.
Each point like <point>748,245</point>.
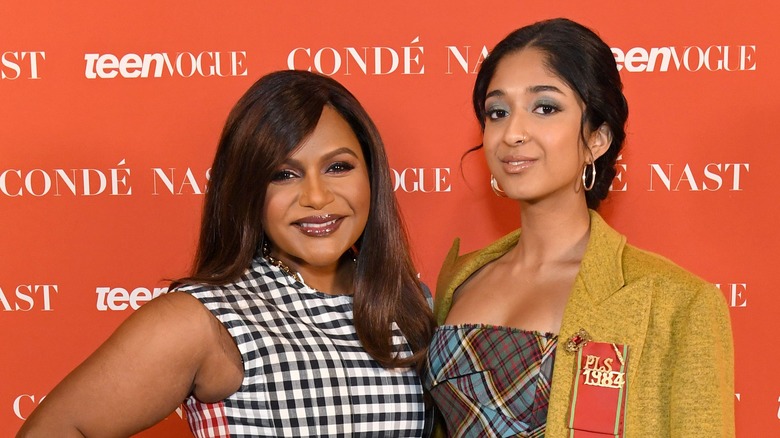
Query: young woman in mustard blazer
<point>562,329</point>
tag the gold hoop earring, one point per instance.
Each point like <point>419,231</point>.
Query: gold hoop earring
<point>585,185</point>
<point>496,189</point>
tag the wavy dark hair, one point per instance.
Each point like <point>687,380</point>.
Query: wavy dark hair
<point>585,63</point>
<point>268,124</point>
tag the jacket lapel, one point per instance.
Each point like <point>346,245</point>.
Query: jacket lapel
<point>456,270</point>
<point>606,308</point>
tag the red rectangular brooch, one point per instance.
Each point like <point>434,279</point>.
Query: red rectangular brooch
<point>598,398</point>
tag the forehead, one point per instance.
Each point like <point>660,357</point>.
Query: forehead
<point>523,69</point>
<point>331,132</point>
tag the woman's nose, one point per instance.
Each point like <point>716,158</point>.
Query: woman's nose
<point>516,133</point>
<point>315,193</point>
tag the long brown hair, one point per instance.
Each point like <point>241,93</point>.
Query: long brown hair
<point>267,125</point>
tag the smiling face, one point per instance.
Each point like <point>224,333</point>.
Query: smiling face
<point>532,140</point>
<point>318,201</point>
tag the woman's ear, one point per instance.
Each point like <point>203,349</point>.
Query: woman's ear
<point>600,140</point>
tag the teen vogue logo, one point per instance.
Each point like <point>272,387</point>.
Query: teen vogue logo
<point>688,58</point>
<point>119,298</point>
<point>159,65</point>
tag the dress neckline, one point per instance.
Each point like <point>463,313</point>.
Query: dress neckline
<point>482,326</point>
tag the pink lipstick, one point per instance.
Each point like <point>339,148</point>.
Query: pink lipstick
<point>517,164</point>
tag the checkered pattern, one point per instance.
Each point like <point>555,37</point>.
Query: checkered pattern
<point>491,381</point>
<point>206,419</point>
<point>305,372</point>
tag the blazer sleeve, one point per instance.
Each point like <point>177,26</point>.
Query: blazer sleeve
<point>702,390</point>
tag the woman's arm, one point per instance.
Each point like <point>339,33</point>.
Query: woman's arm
<point>169,348</point>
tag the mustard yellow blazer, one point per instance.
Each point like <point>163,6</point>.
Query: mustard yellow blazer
<point>681,360</point>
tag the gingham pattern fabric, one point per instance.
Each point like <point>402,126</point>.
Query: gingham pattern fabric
<point>491,381</point>
<point>305,372</point>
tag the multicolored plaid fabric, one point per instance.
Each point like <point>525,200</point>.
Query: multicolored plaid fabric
<point>490,381</point>
<point>305,371</point>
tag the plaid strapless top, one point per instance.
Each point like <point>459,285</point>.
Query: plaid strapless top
<point>490,381</point>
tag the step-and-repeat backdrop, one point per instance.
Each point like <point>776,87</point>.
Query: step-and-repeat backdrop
<point>110,114</point>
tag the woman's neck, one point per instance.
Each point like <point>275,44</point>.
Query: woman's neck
<point>335,279</point>
<point>552,233</point>
<point>331,280</point>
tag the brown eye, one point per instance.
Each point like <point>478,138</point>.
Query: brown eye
<point>283,175</point>
<point>546,109</point>
<point>495,114</point>
<point>340,167</point>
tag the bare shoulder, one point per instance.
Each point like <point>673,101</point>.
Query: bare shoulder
<point>173,322</point>
<point>166,350</point>
<point>177,311</point>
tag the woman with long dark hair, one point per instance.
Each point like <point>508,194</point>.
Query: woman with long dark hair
<point>303,315</point>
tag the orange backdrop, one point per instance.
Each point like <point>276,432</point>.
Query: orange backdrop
<point>110,113</point>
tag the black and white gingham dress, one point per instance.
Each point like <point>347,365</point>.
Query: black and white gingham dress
<point>305,372</point>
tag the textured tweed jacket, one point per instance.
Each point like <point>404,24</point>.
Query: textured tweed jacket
<point>680,370</point>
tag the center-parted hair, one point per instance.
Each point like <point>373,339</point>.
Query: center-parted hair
<point>585,63</point>
<point>269,122</point>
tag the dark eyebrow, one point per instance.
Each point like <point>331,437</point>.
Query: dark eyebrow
<point>534,89</point>
<point>543,88</point>
<point>497,93</point>
<point>339,151</point>
<point>326,157</point>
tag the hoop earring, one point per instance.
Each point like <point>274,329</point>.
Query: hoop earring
<point>496,189</point>
<point>585,185</point>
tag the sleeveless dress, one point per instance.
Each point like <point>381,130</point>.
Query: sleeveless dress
<point>490,381</point>
<point>306,373</point>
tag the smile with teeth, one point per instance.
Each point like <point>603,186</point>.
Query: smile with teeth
<point>318,226</point>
